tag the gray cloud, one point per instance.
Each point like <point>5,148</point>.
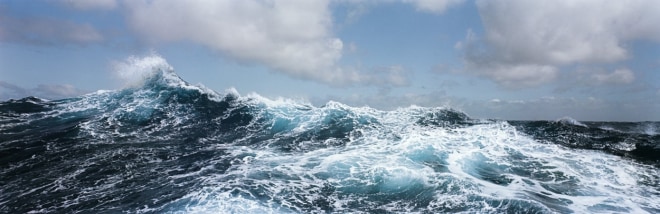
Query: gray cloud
<point>483,60</point>
<point>527,42</point>
<point>92,4</point>
<point>12,91</point>
<point>357,8</point>
<point>603,77</point>
<point>48,91</point>
<point>595,80</point>
<point>43,31</point>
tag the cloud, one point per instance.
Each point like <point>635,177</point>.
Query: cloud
<point>395,75</point>
<point>591,80</point>
<point>43,31</point>
<point>433,6</point>
<point>514,76</point>
<point>357,8</point>
<point>354,9</point>
<point>54,91</point>
<point>521,75</point>
<point>482,60</point>
<point>92,4</point>
<point>557,34</point>
<point>565,31</point>
<point>12,91</point>
<point>618,76</point>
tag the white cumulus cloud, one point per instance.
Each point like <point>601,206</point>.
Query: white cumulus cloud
<point>557,33</point>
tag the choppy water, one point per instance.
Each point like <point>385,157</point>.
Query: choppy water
<point>168,146</point>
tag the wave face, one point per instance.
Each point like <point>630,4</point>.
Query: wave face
<point>168,146</point>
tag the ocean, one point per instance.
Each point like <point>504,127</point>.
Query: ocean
<point>166,146</point>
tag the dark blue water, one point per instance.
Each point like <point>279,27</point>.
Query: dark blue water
<point>167,146</point>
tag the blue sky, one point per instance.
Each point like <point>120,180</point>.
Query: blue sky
<point>506,59</point>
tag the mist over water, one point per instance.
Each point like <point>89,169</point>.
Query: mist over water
<point>163,145</point>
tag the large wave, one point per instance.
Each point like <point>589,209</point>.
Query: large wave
<point>164,145</point>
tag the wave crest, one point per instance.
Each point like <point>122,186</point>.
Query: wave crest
<point>570,121</point>
<point>135,71</point>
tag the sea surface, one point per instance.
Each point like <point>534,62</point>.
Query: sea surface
<point>166,146</point>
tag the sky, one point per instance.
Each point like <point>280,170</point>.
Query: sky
<point>501,59</point>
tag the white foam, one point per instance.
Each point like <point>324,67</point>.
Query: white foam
<point>650,129</point>
<point>394,155</point>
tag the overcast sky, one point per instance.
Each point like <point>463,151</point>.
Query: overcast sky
<point>506,59</point>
